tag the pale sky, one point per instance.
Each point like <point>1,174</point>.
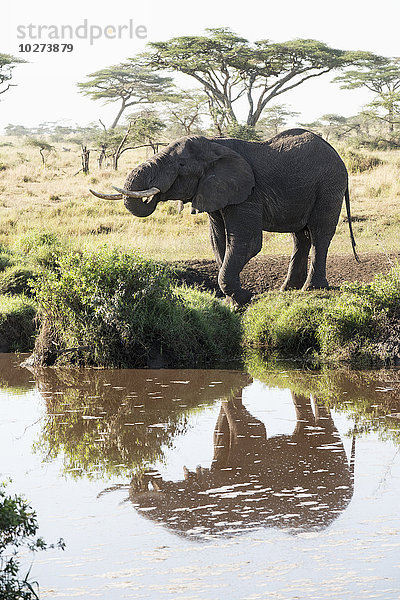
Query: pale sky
<point>46,87</point>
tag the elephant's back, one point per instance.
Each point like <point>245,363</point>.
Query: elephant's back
<point>297,144</point>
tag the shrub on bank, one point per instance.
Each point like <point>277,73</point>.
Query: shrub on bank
<point>357,324</point>
<point>17,323</point>
<point>39,248</point>
<point>120,310</point>
<point>16,280</point>
<point>6,259</point>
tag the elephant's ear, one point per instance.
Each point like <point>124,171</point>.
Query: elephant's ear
<point>228,179</point>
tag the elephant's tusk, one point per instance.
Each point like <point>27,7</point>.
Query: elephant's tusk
<point>106,196</point>
<point>137,194</point>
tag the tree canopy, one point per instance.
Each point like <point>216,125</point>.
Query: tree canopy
<point>382,78</point>
<point>144,129</point>
<point>129,83</point>
<point>230,68</point>
<point>7,64</point>
<point>274,118</point>
<point>185,111</point>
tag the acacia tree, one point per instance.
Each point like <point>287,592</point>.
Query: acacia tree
<point>185,110</point>
<point>143,129</point>
<point>129,83</point>
<point>230,68</point>
<point>382,78</point>
<point>44,148</point>
<point>274,118</point>
<point>7,64</point>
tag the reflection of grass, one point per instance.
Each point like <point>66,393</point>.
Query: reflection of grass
<point>367,397</point>
<point>354,324</point>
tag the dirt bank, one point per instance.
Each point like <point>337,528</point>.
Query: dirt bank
<point>265,273</point>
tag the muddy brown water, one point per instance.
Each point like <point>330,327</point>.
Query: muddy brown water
<point>208,484</point>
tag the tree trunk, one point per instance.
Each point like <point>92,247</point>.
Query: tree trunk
<point>115,161</point>
<point>117,118</point>
<point>102,156</point>
<point>85,159</point>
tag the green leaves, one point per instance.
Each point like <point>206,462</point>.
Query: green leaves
<point>131,83</point>
<point>18,528</point>
<point>229,68</point>
<point>121,308</point>
<point>7,64</point>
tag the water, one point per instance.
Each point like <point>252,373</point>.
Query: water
<point>208,484</point>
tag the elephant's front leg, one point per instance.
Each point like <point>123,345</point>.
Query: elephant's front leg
<point>217,236</point>
<point>243,240</point>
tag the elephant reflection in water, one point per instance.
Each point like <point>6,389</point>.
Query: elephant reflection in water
<point>300,481</point>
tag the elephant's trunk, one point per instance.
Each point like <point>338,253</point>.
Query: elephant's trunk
<point>139,208</point>
<point>140,203</point>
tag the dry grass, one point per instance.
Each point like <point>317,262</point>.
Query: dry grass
<point>56,199</point>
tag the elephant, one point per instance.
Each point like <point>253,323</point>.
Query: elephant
<point>300,482</point>
<point>294,183</point>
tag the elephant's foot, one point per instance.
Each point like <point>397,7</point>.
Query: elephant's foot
<point>291,285</point>
<point>239,298</point>
<point>321,284</point>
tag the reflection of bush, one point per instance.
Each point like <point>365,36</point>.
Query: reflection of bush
<point>370,398</point>
<point>114,422</point>
<point>13,377</point>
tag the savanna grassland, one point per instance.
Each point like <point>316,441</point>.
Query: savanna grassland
<point>55,198</point>
<point>98,281</point>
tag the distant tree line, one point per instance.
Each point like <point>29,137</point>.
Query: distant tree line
<point>229,71</point>
<point>232,71</point>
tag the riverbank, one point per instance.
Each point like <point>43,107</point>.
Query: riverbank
<point>108,308</point>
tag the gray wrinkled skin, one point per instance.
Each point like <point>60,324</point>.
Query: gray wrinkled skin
<point>293,183</point>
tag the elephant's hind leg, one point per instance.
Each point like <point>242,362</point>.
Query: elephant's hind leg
<point>297,272</point>
<point>322,226</point>
<point>316,278</point>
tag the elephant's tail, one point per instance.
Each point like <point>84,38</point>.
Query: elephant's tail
<point>353,241</point>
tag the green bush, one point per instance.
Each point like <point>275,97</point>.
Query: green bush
<point>18,528</point>
<point>40,248</point>
<point>6,257</point>
<point>16,280</point>
<point>354,324</point>
<point>284,325</point>
<point>5,260</point>
<point>17,323</point>
<point>357,162</point>
<point>124,311</point>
